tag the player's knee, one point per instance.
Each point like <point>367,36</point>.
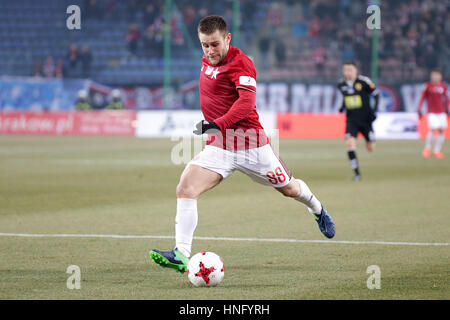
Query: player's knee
<point>292,190</point>
<point>291,193</point>
<point>186,191</point>
<point>350,143</point>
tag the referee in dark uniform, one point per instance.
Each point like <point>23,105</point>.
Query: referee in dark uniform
<point>357,91</point>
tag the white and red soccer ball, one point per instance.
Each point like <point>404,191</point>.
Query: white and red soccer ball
<point>205,269</point>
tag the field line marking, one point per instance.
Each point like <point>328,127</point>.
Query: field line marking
<point>118,236</point>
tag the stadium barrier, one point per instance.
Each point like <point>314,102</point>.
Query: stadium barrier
<point>181,123</point>
<point>115,123</point>
<point>166,124</point>
<point>311,125</point>
<point>160,124</point>
<point>388,125</point>
<point>423,128</point>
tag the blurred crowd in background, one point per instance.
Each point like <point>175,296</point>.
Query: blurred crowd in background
<point>122,42</point>
<point>413,38</point>
<point>75,58</point>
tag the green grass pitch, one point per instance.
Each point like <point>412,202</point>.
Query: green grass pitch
<point>126,186</point>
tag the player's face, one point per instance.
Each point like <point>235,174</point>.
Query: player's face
<point>215,46</point>
<point>436,77</point>
<point>350,72</point>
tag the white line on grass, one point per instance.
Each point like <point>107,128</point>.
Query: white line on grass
<point>118,236</point>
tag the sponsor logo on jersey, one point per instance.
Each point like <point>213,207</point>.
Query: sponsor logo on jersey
<point>353,102</point>
<point>438,89</point>
<point>209,70</point>
<point>214,73</point>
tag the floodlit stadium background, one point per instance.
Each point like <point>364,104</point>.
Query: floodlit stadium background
<point>78,187</point>
<point>149,50</point>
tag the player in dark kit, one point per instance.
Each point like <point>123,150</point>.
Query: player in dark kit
<point>357,91</point>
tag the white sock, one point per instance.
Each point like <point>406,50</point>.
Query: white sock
<point>306,197</point>
<point>429,140</point>
<point>439,142</point>
<point>185,224</point>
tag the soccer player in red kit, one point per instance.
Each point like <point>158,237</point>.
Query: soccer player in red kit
<point>236,141</point>
<point>435,92</point>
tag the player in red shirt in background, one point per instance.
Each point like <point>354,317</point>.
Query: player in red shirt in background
<point>236,141</point>
<point>435,92</point>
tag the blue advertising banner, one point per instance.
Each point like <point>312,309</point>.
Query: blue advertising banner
<point>36,94</point>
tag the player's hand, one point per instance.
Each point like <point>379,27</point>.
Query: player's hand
<point>203,126</point>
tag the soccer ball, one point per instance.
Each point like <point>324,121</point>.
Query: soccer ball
<point>205,269</point>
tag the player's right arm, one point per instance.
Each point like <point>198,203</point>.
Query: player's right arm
<point>204,126</point>
<point>339,86</point>
<point>422,98</point>
<point>371,89</point>
<point>342,108</point>
<point>239,110</point>
<point>243,75</point>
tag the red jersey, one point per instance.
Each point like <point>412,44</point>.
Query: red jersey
<point>435,95</point>
<point>218,87</point>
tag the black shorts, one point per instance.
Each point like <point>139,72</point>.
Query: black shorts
<point>352,128</point>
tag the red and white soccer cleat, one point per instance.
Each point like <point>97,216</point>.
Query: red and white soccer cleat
<point>439,155</point>
<point>426,153</point>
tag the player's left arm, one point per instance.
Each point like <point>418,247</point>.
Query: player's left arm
<point>243,76</point>
<point>373,91</point>
<point>447,100</point>
<point>376,98</point>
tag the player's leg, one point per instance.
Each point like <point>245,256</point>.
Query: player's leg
<point>267,168</point>
<point>441,125</point>
<point>369,137</point>
<point>350,142</point>
<point>299,190</point>
<point>428,141</point>
<point>351,132</point>
<point>370,142</point>
<point>433,124</point>
<point>194,181</point>
<point>203,173</point>
<point>440,138</point>
<point>370,146</point>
